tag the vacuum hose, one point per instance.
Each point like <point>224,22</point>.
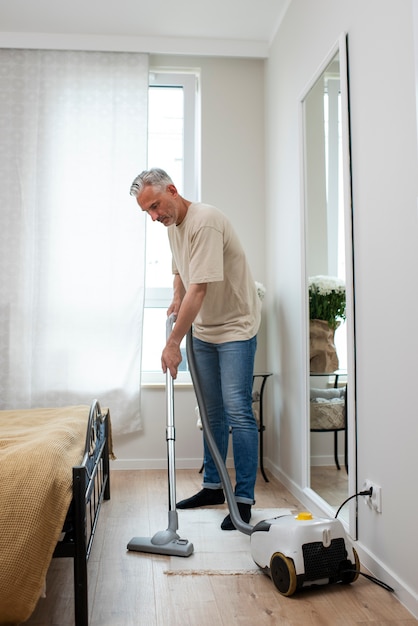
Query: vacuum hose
<point>219,462</point>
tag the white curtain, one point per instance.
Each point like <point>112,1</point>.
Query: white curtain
<point>73,135</point>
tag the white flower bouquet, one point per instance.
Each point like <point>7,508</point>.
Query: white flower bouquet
<point>327,299</point>
<point>261,290</point>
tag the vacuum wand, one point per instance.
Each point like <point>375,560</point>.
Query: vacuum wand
<point>167,541</point>
<point>170,435</point>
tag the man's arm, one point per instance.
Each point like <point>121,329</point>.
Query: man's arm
<point>189,308</point>
<point>178,295</point>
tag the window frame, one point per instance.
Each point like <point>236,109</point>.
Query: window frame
<point>161,297</point>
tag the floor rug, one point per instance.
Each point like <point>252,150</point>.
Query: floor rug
<point>216,551</point>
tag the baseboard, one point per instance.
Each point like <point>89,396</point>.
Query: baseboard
<point>326,460</point>
<point>157,464</point>
<point>406,596</point>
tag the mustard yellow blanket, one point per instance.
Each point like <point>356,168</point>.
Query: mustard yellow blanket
<point>38,448</point>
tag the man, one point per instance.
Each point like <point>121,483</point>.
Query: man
<point>214,291</point>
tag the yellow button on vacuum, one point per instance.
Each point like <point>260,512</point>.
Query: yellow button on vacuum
<point>304,515</point>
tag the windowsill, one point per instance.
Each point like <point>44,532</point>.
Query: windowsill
<point>157,385</point>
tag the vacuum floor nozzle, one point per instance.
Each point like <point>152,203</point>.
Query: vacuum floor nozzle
<point>163,542</point>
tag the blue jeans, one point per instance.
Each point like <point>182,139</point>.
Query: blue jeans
<point>226,379</point>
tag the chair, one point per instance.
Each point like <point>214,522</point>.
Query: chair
<point>328,413</point>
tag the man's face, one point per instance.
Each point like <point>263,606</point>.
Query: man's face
<point>161,206</point>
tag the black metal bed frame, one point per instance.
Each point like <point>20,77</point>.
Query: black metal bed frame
<point>91,485</point>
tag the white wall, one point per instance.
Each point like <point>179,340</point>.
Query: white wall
<point>233,178</point>
<point>384,161</point>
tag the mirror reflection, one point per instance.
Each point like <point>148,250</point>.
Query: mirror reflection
<point>326,260</point>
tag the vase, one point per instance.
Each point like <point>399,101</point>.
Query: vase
<point>322,352</point>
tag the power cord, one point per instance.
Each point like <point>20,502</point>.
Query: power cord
<point>366,492</point>
<point>375,580</point>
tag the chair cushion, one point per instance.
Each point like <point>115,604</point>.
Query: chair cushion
<point>327,409</point>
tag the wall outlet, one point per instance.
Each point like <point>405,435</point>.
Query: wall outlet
<point>375,500</point>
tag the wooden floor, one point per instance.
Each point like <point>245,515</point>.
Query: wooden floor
<point>330,483</point>
<point>131,589</point>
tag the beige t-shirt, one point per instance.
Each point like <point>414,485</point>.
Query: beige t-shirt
<point>206,249</point>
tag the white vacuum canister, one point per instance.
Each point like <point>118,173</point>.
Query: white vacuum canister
<point>303,550</point>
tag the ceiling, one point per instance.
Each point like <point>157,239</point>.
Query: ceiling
<point>183,26</point>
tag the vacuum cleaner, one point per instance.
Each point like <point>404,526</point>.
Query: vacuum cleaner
<point>167,541</point>
<point>296,551</point>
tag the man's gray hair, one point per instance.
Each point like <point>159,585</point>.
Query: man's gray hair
<point>154,177</point>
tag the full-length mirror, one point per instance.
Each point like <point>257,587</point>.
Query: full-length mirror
<point>330,372</point>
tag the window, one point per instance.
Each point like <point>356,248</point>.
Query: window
<point>172,145</point>
<point>335,197</point>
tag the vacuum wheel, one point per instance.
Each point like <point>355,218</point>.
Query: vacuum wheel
<point>351,571</point>
<point>356,566</point>
<point>283,573</point>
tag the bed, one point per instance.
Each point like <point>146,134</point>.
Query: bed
<point>54,475</point>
